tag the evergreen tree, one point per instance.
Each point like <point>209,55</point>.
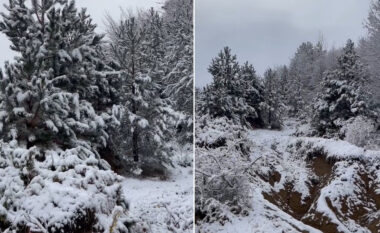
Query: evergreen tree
<point>284,81</point>
<point>137,52</point>
<point>342,94</point>
<point>295,98</point>
<point>223,96</point>
<point>178,20</point>
<point>252,90</point>
<point>58,89</point>
<point>271,107</point>
<point>235,92</point>
<point>56,106</point>
<point>219,101</point>
<point>369,51</point>
<point>305,74</point>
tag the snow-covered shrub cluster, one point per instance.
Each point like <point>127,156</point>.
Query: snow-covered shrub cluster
<point>184,154</point>
<point>58,191</point>
<point>359,131</point>
<point>222,152</point>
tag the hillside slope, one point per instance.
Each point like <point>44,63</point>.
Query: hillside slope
<point>305,184</point>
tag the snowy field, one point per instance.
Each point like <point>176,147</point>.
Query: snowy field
<point>165,206</point>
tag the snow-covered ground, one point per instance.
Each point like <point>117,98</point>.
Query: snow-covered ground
<point>163,205</point>
<point>308,184</point>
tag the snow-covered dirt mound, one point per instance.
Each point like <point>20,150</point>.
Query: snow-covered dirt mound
<point>305,184</point>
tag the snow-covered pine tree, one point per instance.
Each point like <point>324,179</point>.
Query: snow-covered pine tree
<point>136,48</point>
<point>283,82</point>
<point>252,90</point>
<point>369,50</point>
<point>319,66</point>
<point>178,19</point>
<point>53,87</point>
<point>270,109</point>
<point>236,92</point>
<point>305,74</point>
<point>300,70</point>
<point>56,96</point>
<point>225,95</point>
<point>153,50</point>
<point>342,94</point>
<point>225,70</point>
<point>222,69</point>
<point>159,111</point>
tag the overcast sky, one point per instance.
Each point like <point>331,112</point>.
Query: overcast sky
<point>96,8</point>
<point>268,32</point>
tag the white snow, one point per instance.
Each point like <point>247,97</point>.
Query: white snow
<point>264,218</point>
<point>53,198</point>
<point>143,123</point>
<point>77,54</point>
<point>21,96</point>
<point>165,205</point>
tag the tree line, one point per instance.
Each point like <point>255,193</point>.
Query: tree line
<point>329,88</point>
<point>76,104</point>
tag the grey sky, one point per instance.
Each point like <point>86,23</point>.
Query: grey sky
<point>268,32</point>
<point>96,8</point>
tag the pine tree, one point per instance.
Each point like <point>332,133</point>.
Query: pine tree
<point>222,99</point>
<point>137,51</point>
<point>252,90</point>
<point>342,94</point>
<point>58,88</point>
<point>178,20</point>
<point>284,81</point>
<point>225,70</point>
<point>217,95</point>
<point>305,74</point>
<point>235,92</point>
<point>369,51</point>
<point>56,103</point>
<point>271,107</point>
<point>295,99</point>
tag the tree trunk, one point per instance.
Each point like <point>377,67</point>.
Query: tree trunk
<point>135,149</point>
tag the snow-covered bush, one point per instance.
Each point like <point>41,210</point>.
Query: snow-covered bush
<point>358,130</point>
<point>304,129</point>
<point>306,150</point>
<point>222,160</point>
<point>214,211</point>
<point>184,154</point>
<point>57,191</point>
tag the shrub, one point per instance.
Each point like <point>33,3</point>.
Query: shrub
<point>63,191</point>
<point>358,130</point>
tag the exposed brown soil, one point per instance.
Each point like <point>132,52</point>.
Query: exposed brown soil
<point>290,201</point>
<point>274,178</point>
<point>322,167</point>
